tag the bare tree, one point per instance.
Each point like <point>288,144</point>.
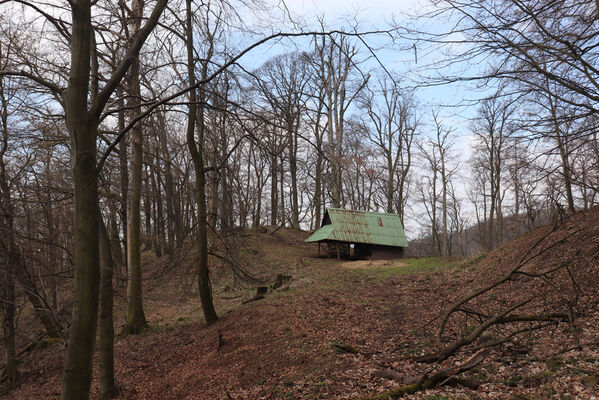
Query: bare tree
<point>393,125</point>
<point>338,58</point>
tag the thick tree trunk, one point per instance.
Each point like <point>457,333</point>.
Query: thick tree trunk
<point>82,125</point>
<point>7,242</point>
<point>76,378</point>
<point>78,360</point>
<point>8,301</point>
<point>8,278</point>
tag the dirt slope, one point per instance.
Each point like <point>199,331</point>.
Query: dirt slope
<point>284,347</point>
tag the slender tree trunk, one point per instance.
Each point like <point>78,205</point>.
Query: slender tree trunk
<point>168,188</point>
<point>107,389</point>
<point>563,152</point>
<point>335,190</point>
<point>117,253</point>
<point>566,172</point>
<point>157,205</point>
<point>390,182</point>
<point>274,190</point>
<point>136,319</point>
<point>318,188</point>
<point>124,185</point>
<point>41,310</point>
<point>445,241</point>
<point>196,150</point>
<point>282,188</point>
<point>148,203</point>
<point>213,190</point>
<point>293,173</point>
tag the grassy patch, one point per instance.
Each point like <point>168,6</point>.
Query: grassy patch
<point>406,266</point>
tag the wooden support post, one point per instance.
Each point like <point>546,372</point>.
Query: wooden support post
<point>338,251</point>
<point>318,249</point>
<point>329,249</point>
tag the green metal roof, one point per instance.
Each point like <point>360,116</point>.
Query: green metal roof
<point>361,227</point>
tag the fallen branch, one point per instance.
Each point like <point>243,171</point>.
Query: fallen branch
<point>444,377</point>
<point>524,260</point>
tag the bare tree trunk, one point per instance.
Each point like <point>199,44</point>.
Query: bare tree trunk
<point>8,323</point>
<point>8,242</point>
<point>136,319</point>
<point>390,184</point>
<point>444,184</point>
<point>106,389</point>
<point>196,150</point>
<point>213,189</point>
<point>282,188</point>
<point>82,125</point>
<point>148,236</point>
<point>293,174</point>
<point>168,188</point>
<point>157,205</point>
<point>124,185</point>
<point>563,151</point>
<point>77,370</point>
<point>115,243</point>
<point>274,190</point>
<point>318,188</point>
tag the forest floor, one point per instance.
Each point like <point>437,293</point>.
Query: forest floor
<point>330,331</point>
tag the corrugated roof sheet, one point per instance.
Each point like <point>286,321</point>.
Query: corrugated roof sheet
<point>361,227</point>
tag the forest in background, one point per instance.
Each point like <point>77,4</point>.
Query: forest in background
<point>129,126</point>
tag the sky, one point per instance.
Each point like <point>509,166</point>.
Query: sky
<point>380,14</point>
<point>374,11</point>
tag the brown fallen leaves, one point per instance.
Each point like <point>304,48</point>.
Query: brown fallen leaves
<point>282,347</point>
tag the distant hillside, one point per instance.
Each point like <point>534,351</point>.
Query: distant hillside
<point>470,240</point>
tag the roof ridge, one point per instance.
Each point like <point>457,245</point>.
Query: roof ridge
<point>361,211</point>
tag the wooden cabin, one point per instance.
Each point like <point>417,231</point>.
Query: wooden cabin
<point>360,234</point>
